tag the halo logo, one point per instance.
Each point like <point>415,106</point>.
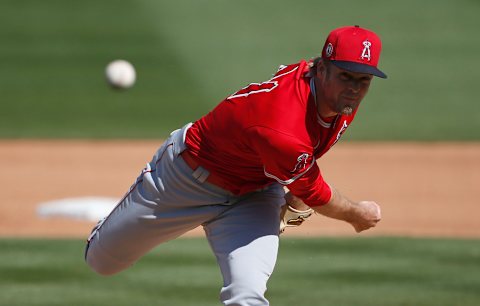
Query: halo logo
<point>301,162</point>
<point>366,50</point>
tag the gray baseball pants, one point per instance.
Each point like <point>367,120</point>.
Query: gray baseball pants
<point>168,199</point>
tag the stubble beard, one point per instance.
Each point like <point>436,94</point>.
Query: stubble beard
<point>348,107</point>
<point>347,110</point>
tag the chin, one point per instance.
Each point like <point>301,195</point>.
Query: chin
<point>347,110</point>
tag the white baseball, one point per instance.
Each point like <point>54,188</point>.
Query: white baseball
<point>120,74</point>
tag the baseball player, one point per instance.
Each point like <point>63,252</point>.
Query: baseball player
<point>227,171</point>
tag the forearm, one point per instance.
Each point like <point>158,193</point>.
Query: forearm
<point>361,215</point>
<point>339,207</point>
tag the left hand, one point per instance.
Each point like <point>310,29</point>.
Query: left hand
<point>368,214</point>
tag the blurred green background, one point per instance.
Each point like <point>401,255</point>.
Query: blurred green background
<point>190,54</point>
<point>322,271</point>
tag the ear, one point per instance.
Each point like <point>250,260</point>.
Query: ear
<point>321,69</point>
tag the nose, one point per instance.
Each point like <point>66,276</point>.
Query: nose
<point>354,86</point>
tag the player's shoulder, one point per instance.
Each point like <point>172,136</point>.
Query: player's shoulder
<point>283,140</point>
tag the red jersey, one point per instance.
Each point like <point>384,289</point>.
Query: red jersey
<point>268,132</point>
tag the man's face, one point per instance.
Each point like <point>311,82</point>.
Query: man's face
<point>341,90</point>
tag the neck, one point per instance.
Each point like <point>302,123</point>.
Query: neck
<point>323,110</point>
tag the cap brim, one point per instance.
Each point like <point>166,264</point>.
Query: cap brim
<point>360,68</point>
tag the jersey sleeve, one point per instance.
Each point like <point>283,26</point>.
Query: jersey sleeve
<point>311,188</point>
<point>292,164</point>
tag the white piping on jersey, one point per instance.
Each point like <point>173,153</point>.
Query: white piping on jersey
<point>293,178</point>
<point>275,85</point>
<point>280,75</point>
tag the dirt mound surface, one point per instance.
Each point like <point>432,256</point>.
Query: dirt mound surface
<point>424,189</point>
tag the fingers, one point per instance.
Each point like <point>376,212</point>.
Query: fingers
<point>378,212</point>
<point>370,216</point>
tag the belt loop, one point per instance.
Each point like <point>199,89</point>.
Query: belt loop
<point>200,174</point>
<point>178,138</point>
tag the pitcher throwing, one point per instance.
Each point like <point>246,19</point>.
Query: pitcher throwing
<point>227,171</point>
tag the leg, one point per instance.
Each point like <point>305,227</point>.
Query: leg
<point>164,203</point>
<point>245,241</point>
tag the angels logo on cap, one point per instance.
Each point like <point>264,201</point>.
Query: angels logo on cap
<point>366,50</point>
<point>354,49</point>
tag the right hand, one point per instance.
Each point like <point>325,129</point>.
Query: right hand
<point>290,217</point>
<point>367,215</point>
<point>294,212</point>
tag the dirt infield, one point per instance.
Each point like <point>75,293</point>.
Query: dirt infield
<point>424,189</point>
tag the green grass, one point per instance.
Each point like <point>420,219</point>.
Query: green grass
<point>323,271</point>
<point>191,53</point>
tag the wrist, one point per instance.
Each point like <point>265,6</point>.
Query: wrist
<point>352,213</point>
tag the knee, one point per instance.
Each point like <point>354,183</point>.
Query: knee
<point>100,269</point>
<point>244,294</point>
<point>101,263</point>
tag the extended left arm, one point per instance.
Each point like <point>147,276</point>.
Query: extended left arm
<point>361,215</point>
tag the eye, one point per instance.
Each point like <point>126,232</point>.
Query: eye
<point>344,77</point>
<point>366,82</point>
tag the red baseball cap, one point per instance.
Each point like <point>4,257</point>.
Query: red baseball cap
<point>354,49</point>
